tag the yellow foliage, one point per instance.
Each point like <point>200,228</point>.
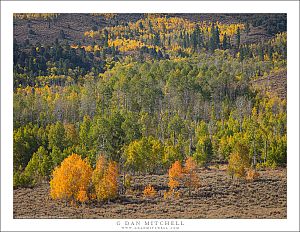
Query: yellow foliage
<point>127,183</point>
<point>252,174</point>
<point>105,179</point>
<point>99,169</point>
<point>165,28</point>
<point>149,191</point>
<point>71,179</point>
<point>237,165</point>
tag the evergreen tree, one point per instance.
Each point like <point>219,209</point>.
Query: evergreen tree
<point>225,43</point>
<point>238,38</point>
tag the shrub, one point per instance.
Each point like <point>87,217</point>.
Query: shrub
<point>105,179</point>
<point>71,180</point>
<point>149,191</point>
<point>171,194</point>
<point>252,174</point>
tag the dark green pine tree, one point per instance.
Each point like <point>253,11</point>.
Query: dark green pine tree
<point>156,39</point>
<point>217,37</point>
<point>225,43</point>
<point>196,38</point>
<point>238,38</point>
<point>242,54</point>
<point>212,39</point>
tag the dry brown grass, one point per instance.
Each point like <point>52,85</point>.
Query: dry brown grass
<point>218,197</point>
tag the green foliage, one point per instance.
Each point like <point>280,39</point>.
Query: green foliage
<point>38,169</point>
<point>204,148</point>
<point>143,155</point>
<point>20,179</point>
<point>56,136</point>
<point>147,94</point>
<point>26,142</point>
<point>171,154</point>
<point>39,166</point>
<point>278,152</point>
<point>204,151</point>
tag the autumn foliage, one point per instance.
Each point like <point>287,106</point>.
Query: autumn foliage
<point>239,161</point>
<point>175,175</point>
<point>186,175</point>
<point>71,180</point>
<point>252,174</point>
<point>105,179</point>
<point>191,179</point>
<point>149,191</point>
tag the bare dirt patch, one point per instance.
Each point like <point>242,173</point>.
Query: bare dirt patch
<point>275,83</point>
<point>218,197</point>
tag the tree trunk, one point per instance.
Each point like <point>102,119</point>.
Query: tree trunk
<point>266,150</point>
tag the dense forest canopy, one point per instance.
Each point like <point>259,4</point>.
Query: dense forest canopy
<point>147,90</point>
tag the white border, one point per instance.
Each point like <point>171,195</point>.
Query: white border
<point>10,7</point>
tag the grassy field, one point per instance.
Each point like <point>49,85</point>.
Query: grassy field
<point>217,197</point>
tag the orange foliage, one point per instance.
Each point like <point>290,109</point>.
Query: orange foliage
<point>252,174</point>
<point>172,194</point>
<point>71,179</point>
<point>175,174</point>
<point>149,191</point>
<point>105,179</point>
<point>191,179</point>
<point>99,170</point>
<point>82,196</point>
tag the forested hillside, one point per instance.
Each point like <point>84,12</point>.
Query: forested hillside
<point>146,91</point>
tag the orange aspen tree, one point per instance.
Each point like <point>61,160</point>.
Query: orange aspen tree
<point>71,179</point>
<point>191,179</point>
<point>175,175</point>
<point>105,179</point>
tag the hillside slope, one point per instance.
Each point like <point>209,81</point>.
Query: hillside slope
<point>275,83</point>
<point>46,31</point>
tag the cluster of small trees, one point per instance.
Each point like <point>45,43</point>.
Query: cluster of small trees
<point>75,180</point>
<point>179,175</point>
